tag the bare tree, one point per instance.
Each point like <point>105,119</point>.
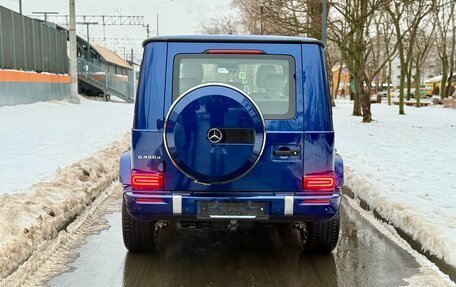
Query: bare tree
<point>445,21</point>
<point>365,34</point>
<point>332,56</point>
<point>388,39</point>
<point>350,30</point>
<point>452,53</point>
<point>222,23</point>
<point>421,51</point>
<point>406,17</point>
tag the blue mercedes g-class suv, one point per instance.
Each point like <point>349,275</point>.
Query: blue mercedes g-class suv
<point>232,129</point>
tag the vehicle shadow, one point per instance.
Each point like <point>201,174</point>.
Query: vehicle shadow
<point>258,256</point>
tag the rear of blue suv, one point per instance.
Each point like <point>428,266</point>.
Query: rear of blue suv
<point>232,129</point>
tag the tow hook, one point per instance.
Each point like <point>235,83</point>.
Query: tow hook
<point>299,225</point>
<point>161,225</point>
<point>232,227</point>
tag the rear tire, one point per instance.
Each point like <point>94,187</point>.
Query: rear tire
<point>138,235</point>
<point>321,237</point>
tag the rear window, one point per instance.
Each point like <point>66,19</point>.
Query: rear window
<point>268,79</point>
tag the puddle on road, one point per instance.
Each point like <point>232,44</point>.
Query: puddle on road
<point>256,257</point>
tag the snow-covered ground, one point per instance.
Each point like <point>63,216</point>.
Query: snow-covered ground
<point>405,167</point>
<point>39,138</point>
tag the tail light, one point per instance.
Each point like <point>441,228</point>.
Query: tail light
<point>319,182</point>
<point>146,181</point>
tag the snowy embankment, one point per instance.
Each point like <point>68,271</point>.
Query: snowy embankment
<point>27,219</point>
<point>36,139</point>
<point>404,167</point>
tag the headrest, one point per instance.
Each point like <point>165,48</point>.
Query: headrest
<point>187,83</point>
<point>276,82</point>
<point>262,73</point>
<point>192,70</point>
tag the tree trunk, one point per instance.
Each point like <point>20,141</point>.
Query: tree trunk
<point>389,82</point>
<point>352,89</point>
<point>366,106</point>
<point>417,87</point>
<point>409,79</point>
<point>450,77</point>
<point>443,81</point>
<point>339,73</point>
<point>400,48</point>
<point>358,97</point>
<point>401,92</point>
<point>449,90</point>
<point>329,75</point>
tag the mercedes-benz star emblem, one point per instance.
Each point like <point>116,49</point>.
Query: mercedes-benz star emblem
<point>214,135</point>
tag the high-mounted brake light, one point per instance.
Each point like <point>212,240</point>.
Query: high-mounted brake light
<point>233,51</point>
<point>146,181</point>
<point>319,182</point>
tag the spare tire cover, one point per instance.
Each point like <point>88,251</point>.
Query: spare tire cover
<point>214,133</point>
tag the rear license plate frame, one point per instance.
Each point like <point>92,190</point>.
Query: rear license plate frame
<point>232,210</point>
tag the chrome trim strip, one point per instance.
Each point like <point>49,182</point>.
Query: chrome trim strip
<point>177,204</point>
<point>233,216</point>
<point>165,142</point>
<point>289,202</point>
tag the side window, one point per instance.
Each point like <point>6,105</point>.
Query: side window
<point>268,79</point>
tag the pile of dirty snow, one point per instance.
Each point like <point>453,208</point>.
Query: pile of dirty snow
<point>39,138</point>
<point>28,218</point>
<point>403,166</point>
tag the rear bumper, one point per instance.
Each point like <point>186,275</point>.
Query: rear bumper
<point>280,207</point>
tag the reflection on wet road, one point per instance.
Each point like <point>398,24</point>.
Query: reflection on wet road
<point>260,256</point>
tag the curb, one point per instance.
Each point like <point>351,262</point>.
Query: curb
<point>415,244</point>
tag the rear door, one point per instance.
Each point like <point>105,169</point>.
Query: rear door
<point>234,89</point>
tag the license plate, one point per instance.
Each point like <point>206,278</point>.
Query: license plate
<point>232,209</point>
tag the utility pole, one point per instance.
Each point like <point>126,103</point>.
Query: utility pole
<point>261,19</point>
<point>46,13</point>
<point>158,27</point>
<point>158,22</point>
<point>323,20</point>
<point>73,56</point>
<point>88,36</point>
<point>20,7</point>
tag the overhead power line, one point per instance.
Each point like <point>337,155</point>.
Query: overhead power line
<point>115,41</point>
<point>101,19</point>
<point>104,20</point>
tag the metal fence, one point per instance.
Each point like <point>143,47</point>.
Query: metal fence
<point>31,45</point>
<point>119,85</point>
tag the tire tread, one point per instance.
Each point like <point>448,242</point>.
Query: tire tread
<point>322,237</point>
<point>138,235</point>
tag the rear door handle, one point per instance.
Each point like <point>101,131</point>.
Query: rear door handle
<point>286,152</point>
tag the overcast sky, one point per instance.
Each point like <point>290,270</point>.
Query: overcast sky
<point>176,17</point>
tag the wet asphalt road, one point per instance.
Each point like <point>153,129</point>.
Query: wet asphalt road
<point>259,256</point>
